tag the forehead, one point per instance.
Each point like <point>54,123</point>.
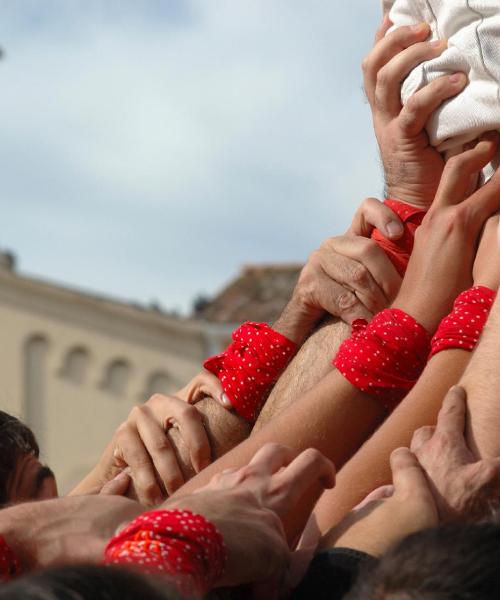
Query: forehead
<point>30,480</point>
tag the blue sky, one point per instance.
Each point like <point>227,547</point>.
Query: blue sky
<point>149,149</point>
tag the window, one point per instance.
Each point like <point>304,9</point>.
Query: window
<point>117,376</point>
<point>158,383</point>
<point>76,365</point>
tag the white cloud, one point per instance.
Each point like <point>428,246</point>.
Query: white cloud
<point>162,144</point>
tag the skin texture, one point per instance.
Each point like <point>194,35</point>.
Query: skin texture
<point>450,229</point>
<point>245,505</point>
<point>437,481</point>
<point>165,441</point>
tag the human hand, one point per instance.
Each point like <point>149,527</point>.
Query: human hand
<point>441,263</point>
<point>389,513</point>
<point>66,530</point>
<point>486,270</point>
<point>463,487</point>
<point>412,167</point>
<point>141,444</point>
<point>349,276</point>
<point>246,505</point>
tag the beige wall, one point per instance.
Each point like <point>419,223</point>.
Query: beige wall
<point>56,358</point>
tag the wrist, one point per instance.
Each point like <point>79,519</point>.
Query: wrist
<point>297,321</point>
<point>420,309</point>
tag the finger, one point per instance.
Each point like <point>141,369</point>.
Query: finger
<point>408,476</point>
<point>203,385</point>
<point>486,200</point>
<point>420,437</point>
<point>117,486</point>
<point>159,448</point>
<point>419,107</point>
<point>272,457</point>
<point>352,275</point>
<point>369,254</point>
<point>381,493</point>
<point>383,29</point>
<point>451,417</point>
<point>375,214</point>
<point>337,300</point>
<point>192,429</point>
<point>391,75</point>
<point>131,451</point>
<point>309,469</point>
<point>387,48</point>
<point>455,181</point>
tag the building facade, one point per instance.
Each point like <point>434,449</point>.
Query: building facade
<point>73,365</point>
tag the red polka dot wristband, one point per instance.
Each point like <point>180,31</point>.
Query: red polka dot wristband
<point>386,357</point>
<point>463,326</point>
<point>183,546</point>
<point>10,566</point>
<point>251,365</point>
<point>399,251</point>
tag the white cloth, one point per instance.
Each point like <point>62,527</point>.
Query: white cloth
<point>472,28</point>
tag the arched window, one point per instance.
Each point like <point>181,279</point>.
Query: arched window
<point>75,365</point>
<point>158,383</point>
<point>35,376</point>
<point>117,376</point>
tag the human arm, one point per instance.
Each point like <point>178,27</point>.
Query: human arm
<point>438,481</point>
<point>369,468</point>
<point>244,505</point>
<point>481,378</point>
<point>412,169</point>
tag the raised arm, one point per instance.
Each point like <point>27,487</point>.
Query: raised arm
<point>369,468</point>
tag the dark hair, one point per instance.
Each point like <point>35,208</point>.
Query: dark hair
<point>16,440</point>
<point>458,562</point>
<point>87,582</point>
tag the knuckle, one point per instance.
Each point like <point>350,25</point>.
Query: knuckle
<point>136,412</point>
<point>383,77</point>
<point>368,249</point>
<point>360,275</point>
<point>366,64</point>
<point>346,300</point>
<point>158,445</point>
<point>157,399</point>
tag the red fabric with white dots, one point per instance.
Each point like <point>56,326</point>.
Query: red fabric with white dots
<point>463,326</point>
<point>183,546</point>
<point>251,365</point>
<point>399,251</point>
<point>385,357</point>
<point>9,564</point>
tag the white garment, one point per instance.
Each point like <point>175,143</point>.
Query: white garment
<point>472,28</point>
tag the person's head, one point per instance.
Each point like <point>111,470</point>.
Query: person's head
<point>86,582</point>
<point>22,476</point>
<point>450,562</point>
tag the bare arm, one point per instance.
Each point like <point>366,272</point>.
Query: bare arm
<point>481,380</point>
<point>310,365</point>
<point>370,468</point>
<point>333,417</point>
<point>482,384</point>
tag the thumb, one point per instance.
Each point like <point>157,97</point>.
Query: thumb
<point>408,476</point>
<point>373,214</point>
<point>117,486</point>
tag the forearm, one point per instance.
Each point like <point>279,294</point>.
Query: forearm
<point>225,430</point>
<point>333,417</point>
<point>311,364</point>
<point>481,382</point>
<point>369,468</point>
